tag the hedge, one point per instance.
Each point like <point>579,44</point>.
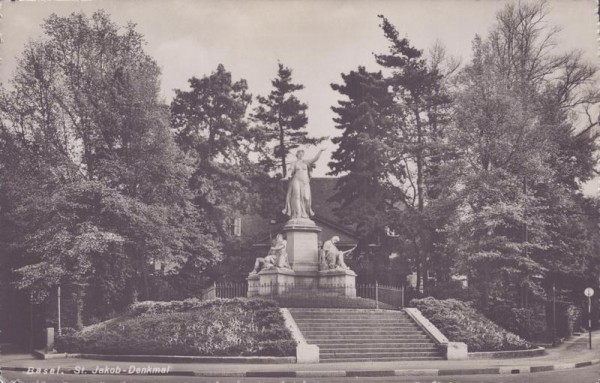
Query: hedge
<point>460,322</point>
<point>218,327</point>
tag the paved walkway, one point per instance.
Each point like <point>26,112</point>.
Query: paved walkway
<point>572,354</point>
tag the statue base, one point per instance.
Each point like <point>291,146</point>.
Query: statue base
<point>304,278</point>
<point>342,281</point>
<point>277,282</point>
<point>302,236</point>
<point>274,281</point>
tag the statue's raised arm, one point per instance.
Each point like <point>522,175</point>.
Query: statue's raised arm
<point>298,198</point>
<point>315,158</point>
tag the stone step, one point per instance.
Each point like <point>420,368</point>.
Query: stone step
<point>394,321</point>
<point>337,325</point>
<point>315,314</point>
<point>375,339</point>
<point>378,354</point>
<point>359,331</point>
<point>348,323</point>
<point>383,322</point>
<point>353,345</point>
<point>340,324</point>
<point>380,340</point>
<point>325,327</point>
<point>353,310</point>
<point>365,351</point>
<point>351,316</point>
<point>352,319</point>
<point>386,359</point>
<point>348,312</point>
<point>365,335</point>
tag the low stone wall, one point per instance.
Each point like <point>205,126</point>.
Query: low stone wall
<point>185,359</point>
<point>305,353</point>
<point>453,350</point>
<point>507,354</point>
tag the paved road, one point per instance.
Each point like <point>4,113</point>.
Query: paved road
<point>579,375</point>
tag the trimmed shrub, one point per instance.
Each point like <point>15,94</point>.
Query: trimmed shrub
<point>459,322</point>
<point>219,327</point>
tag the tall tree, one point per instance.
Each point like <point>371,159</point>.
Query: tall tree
<point>421,113</point>
<point>283,119</point>
<point>362,156</point>
<point>210,126</point>
<point>516,109</point>
<point>110,183</point>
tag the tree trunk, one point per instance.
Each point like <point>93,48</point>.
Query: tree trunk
<point>282,152</point>
<point>144,271</point>
<point>78,298</point>
<point>420,198</point>
<point>418,284</point>
<point>485,284</point>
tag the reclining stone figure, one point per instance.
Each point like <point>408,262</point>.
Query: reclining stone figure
<point>332,257</point>
<point>277,256</point>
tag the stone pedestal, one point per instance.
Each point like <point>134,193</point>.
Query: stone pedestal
<point>49,339</point>
<point>304,279</point>
<point>274,281</point>
<point>342,282</point>
<point>302,237</point>
<point>253,285</point>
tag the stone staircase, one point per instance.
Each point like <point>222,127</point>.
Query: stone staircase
<point>348,335</point>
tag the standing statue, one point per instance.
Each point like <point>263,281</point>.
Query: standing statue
<point>277,256</point>
<point>298,198</point>
<point>334,258</point>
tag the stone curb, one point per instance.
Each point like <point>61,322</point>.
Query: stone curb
<point>504,370</point>
<point>538,351</point>
<point>170,358</point>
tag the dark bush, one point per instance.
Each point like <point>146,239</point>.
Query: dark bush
<point>528,323</point>
<point>67,331</point>
<point>276,347</point>
<point>452,289</point>
<point>459,322</point>
<point>572,318</point>
<point>220,327</point>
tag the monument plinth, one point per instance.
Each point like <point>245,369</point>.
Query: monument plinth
<point>307,275</point>
<point>302,244</point>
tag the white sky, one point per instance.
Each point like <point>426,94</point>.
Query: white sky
<point>318,39</point>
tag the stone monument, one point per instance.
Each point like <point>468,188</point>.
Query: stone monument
<point>308,268</point>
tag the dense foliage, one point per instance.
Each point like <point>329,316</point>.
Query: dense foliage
<point>460,322</point>
<point>476,170</point>
<point>94,187</point>
<point>219,327</point>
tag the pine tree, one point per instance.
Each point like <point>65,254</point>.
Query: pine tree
<point>362,156</point>
<point>422,108</point>
<point>283,120</point>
